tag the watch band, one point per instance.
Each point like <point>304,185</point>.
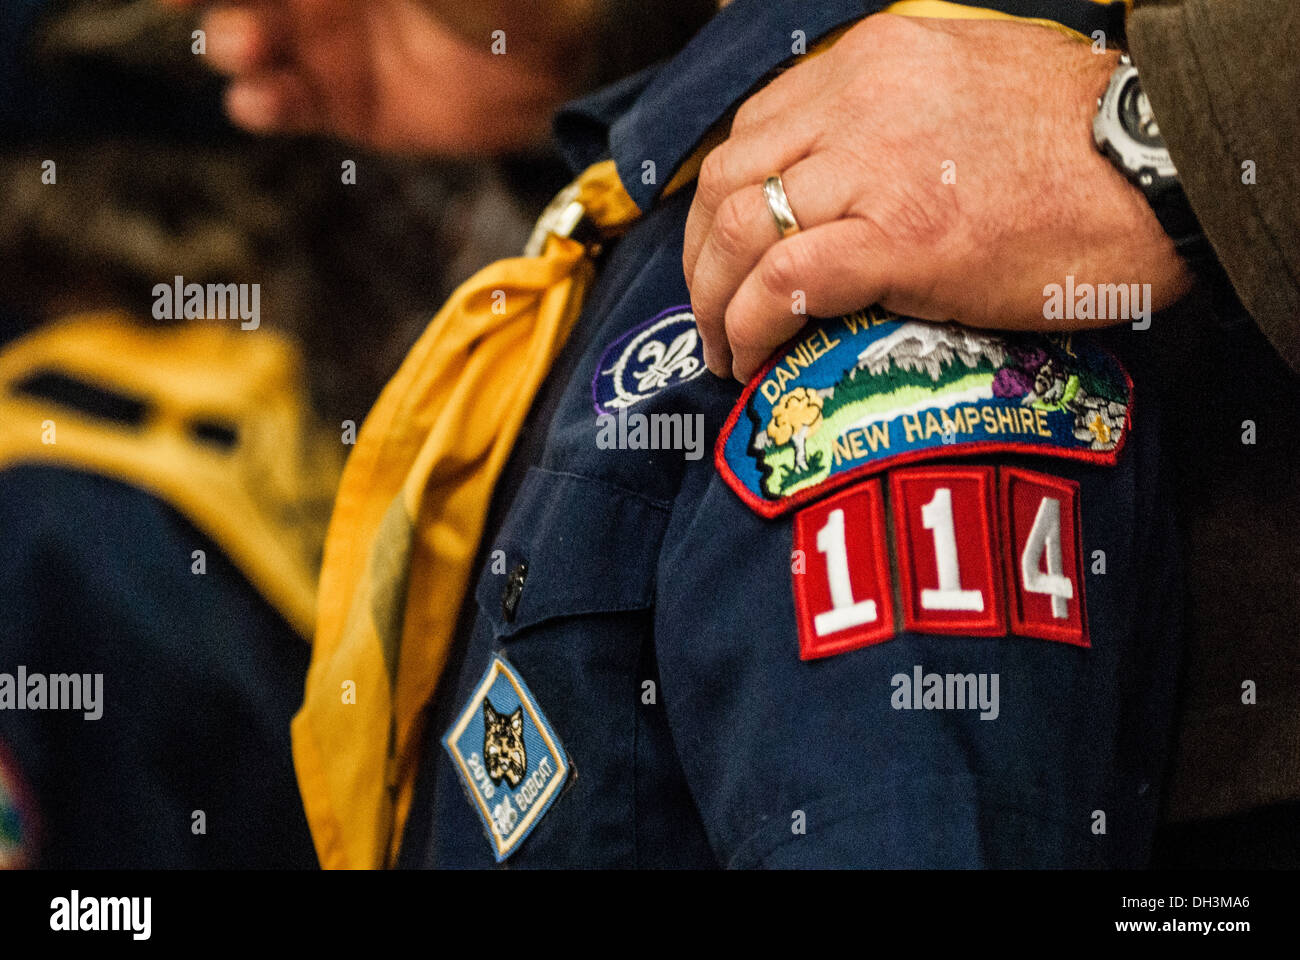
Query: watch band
<point>1143,158</point>
<point>1179,221</point>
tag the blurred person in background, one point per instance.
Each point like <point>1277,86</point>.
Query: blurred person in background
<point>164,481</point>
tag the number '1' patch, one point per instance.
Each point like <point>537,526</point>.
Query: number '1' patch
<point>842,595</point>
<point>951,580</point>
<point>510,761</point>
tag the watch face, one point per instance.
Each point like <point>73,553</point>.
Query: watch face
<point>1136,116</point>
<point>1125,129</point>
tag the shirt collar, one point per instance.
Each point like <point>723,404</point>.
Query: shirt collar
<point>660,115</point>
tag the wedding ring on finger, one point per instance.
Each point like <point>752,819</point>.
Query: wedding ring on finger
<point>779,204</point>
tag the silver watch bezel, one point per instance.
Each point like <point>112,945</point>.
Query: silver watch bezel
<point>1142,164</point>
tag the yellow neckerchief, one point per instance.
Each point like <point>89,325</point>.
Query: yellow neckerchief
<point>412,505</point>
<point>263,499</point>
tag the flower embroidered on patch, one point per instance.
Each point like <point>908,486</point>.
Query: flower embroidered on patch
<point>857,394</point>
<point>509,759</point>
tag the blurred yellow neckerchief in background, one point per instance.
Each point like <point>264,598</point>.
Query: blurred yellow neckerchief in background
<point>222,431</point>
<point>414,499</point>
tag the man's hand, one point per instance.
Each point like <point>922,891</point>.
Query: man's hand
<point>942,168</point>
<point>400,75</point>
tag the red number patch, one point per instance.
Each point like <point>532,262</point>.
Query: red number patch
<point>842,596</point>
<point>1043,550</point>
<point>947,553</point>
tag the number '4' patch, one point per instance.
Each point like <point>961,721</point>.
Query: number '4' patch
<point>1042,534</point>
<point>980,552</point>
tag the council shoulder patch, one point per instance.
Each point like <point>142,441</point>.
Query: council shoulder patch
<point>854,395</point>
<point>663,351</point>
<point>510,761</point>
<point>17,819</point>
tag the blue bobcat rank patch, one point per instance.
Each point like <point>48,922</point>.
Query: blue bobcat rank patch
<point>510,761</point>
<point>851,396</point>
<point>663,351</point>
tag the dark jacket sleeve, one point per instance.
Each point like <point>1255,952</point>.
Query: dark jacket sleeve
<point>1223,81</point>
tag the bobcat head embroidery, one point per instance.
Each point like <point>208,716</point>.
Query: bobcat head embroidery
<point>503,745</point>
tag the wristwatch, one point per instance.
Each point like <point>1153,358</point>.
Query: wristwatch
<point>1125,130</point>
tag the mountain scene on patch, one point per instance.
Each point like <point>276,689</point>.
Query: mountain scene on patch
<point>921,368</point>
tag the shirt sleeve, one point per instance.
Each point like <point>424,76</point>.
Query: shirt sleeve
<point>1222,80</point>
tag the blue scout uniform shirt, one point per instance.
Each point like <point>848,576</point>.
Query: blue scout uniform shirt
<point>200,679</point>
<point>892,641</point>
